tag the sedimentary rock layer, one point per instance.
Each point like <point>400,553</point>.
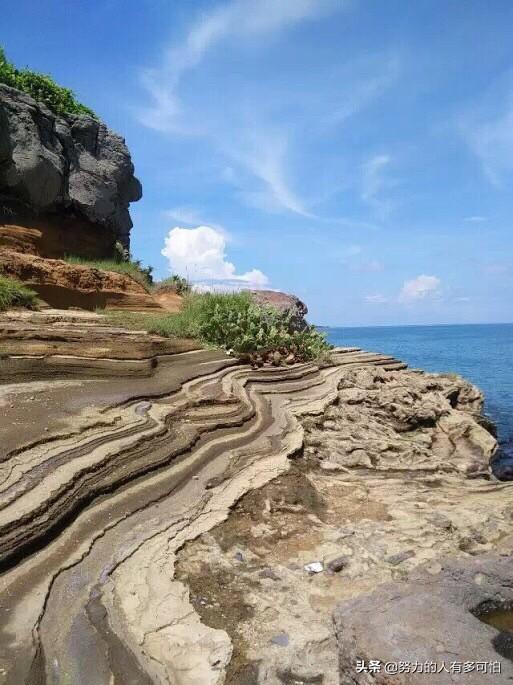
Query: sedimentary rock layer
<point>119,476</point>
<point>63,285</point>
<point>393,477</point>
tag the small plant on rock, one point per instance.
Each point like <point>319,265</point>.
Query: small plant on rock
<point>42,88</point>
<point>15,294</point>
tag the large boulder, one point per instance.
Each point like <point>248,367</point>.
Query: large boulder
<point>288,304</point>
<point>72,166</point>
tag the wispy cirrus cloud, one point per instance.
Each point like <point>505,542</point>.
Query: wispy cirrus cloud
<point>261,127</point>
<point>375,182</point>
<point>487,128</point>
<point>189,216</point>
<point>238,20</point>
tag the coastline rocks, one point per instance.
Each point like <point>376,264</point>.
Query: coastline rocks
<point>404,420</point>
<point>288,304</point>
<point>71,165</point>
<point>432,618</point>
<point>502,464</point>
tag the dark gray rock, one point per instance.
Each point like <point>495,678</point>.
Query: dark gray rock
<point>431,618</point>
<point>50,163</point>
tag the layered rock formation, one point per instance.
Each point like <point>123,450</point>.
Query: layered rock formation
<point>200,524</point>
<point>58,172</point>
<point>63,285</point>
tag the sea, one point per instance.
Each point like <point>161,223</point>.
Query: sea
<point>482,353</point>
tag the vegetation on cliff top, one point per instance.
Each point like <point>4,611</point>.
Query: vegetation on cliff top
<point>42,88</point>
<point>233,321</point>
<point>15,294</point>
<point>133,269</point>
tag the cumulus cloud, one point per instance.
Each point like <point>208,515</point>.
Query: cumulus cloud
<point>199,254</point>
<point>419,288</point>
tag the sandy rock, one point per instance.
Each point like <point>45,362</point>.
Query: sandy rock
<point>432,618</point>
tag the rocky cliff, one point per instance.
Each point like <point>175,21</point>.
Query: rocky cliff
<point>65,182</point>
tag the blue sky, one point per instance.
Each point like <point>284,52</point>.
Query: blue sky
<point>354,152</point>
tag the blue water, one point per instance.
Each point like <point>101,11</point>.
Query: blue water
<point>481,353</point>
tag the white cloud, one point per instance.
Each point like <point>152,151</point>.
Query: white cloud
<point>476,219</point>
<point>261,127</point>
<point>199,254</point>
<point>487,128</point>
<point>239,19</point>
<point>374,182</point>
<point>492,142</point>
<point>419,288</point>
<point>370,266</point>
<point>191,217</point>
<point>378,298</point>
<point>264,152</point>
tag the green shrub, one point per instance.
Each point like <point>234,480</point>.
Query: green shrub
<point>263,333</point>
<point>15,294</point>
<point>179,284</point>
<point>234,322</point>
<point>42,88</point>
<point>133,269</point>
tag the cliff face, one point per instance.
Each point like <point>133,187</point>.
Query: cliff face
<point>58,174</point>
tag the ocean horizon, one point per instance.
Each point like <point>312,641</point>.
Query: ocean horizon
<point>481,353</point>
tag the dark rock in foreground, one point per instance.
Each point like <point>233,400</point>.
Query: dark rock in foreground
<point>432,619</point>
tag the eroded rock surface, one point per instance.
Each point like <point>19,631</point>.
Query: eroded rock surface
<point>394,475</point>
<point>431,619</point>
<point>63,285</point>
<point>73,164</point>
<point>200,524</point>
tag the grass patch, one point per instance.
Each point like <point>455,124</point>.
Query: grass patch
<point>178,284</point>
<point>42,88</point>
<point>132,269</point>
<point>15,294</point>
<point>233,322</point>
